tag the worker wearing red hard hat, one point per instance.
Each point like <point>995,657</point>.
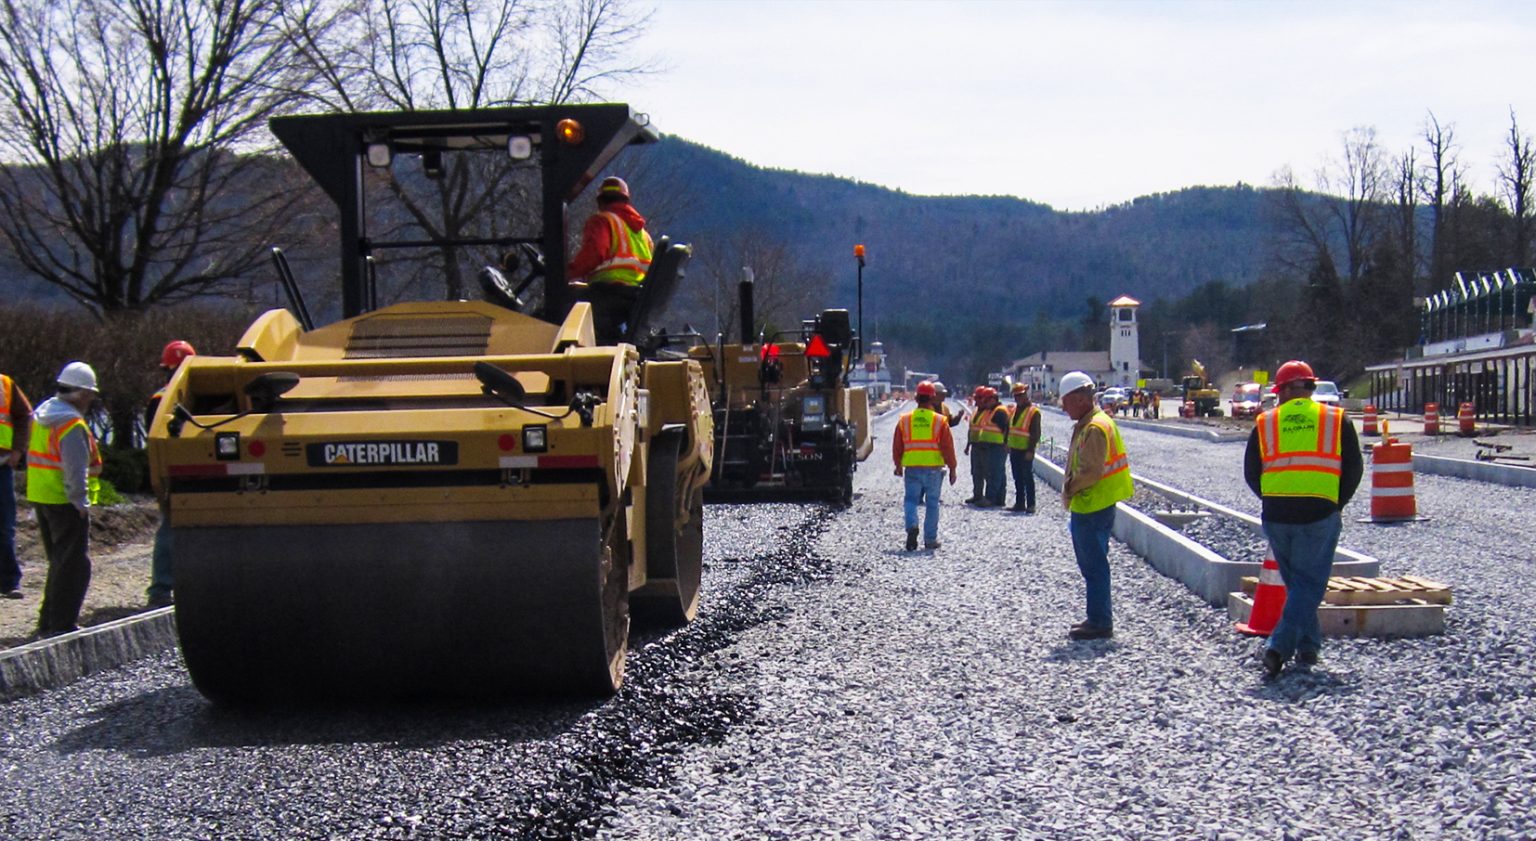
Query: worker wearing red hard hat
<point>1303,462</point>
<point>987,447</point>
<point>922,448</point>
<point>161,582</point>
<point>1023,437</point>
<point>613,259</point>
<point>1098,475</point>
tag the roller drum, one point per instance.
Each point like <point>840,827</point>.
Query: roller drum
<point>473,609</point>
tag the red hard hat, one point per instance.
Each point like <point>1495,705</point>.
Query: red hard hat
<point>989,391</point>
<point>926,389</point>
<point>1292,371</point>
<point>613,186</point>
<point>980,390</point>
<point>175,352</point>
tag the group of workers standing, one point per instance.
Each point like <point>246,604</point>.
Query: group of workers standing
<point>64,465</point>
<point>1303,461</point>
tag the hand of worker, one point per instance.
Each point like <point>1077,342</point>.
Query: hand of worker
<point>898,470</point>
<point>967,449</point>
<point>84,511</point>
<point>951,475</point>
<point>1066,501</point>
<point>14,458</point>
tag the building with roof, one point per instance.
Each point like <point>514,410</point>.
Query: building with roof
<point>1118,366</point>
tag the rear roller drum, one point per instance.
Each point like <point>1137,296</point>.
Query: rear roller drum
<point>674,550</point>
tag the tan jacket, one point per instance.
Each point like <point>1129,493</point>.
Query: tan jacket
<point>1087,451</point>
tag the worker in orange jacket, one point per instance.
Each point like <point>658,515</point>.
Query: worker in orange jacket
<point>922,448</point>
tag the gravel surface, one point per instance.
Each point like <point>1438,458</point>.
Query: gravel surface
<point>837,686</point>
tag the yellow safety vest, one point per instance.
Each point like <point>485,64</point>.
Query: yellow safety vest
<point>45,465</point>
<point>919,430</point>
<point>1018,430</point>
<point>1115,484</point>
<point>631,257</point>
<point>985,427</point>
<point>1302,450</point>
<point>7,428</point>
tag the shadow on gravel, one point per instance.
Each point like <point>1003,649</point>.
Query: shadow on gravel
<point>1081,652</point>
<point>177,719</point>
<point>1297,685</point>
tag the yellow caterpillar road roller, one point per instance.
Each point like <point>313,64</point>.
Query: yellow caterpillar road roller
<point>449,498</point>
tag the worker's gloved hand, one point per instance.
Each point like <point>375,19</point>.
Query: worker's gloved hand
<point>1066,501</point>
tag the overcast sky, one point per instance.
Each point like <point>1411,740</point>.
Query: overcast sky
<point>1082,104</point>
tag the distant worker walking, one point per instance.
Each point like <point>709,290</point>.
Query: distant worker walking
<point>1023,437</point>
<point>612,262</point>
<point>1303,461</point>
<point>15,427</point>
<point>63,479</point>
<point>1098,475</point>
<point>161,577</point>
<point>922,448</point>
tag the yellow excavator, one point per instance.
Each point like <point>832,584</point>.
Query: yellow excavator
<point>436,498</point>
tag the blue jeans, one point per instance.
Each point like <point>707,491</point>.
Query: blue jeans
<point>10,568</point>
<point>1090,541</point>
<point>160,580</point>
<point>1022,462</point>
<point>923,486</point>
<point>997,474</point>
<point>1305,555</point>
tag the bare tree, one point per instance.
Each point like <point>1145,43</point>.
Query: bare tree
<point>1357,182</point>
<point>1516,174</point>
<point>1405,199</point>
<point>461,54</point>
<point>1441,184</point>
<point>123,127</point>
<point>779,285</point>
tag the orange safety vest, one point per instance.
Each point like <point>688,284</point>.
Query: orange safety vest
<point>631,254</point>
<point>45,464</point>
<point>1301,448</point>
<point>7,427</point>
<point>985,426</point>
<point>919,431</point>
<point>1018,429</point>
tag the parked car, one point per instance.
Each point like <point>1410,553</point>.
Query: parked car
<point>1112,399</point>
<point>1327,392</point>
<point>1247,400</point>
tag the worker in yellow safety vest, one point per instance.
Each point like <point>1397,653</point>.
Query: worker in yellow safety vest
<point>613,259</point>
<point>1303,461</point>
<point>1023,437</point>
<point>15,428</point>
<point>63,482</point>
<point>1098,476</point>
<point>988,450</point>
<point>922,448</point>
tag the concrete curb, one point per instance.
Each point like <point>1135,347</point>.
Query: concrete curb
<point>1198,433</point>
<point>1206,574</point>
<point>61,660</point>
<point>1480,471</point>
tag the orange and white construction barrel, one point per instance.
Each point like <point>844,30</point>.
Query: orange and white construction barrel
<point>1368,423</point>
<point>1431,418</point>
<point>1466,419</point>
<point>1392,498</point>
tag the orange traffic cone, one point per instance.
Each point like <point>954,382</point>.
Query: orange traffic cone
<point>1268,602</point>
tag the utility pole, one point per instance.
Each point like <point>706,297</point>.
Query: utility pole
<point>858,253</point>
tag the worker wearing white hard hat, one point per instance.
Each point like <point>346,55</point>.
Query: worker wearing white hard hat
<point>1098,475</point>
<point>63,482</point>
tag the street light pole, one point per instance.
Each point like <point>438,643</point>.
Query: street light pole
<point>858,253</point>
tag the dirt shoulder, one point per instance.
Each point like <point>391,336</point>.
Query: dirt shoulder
<point>122,537</point>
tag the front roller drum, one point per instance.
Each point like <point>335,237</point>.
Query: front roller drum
<point>477,609</point>
<point>674,527</point>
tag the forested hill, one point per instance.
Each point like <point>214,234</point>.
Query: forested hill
<point>949,277</point>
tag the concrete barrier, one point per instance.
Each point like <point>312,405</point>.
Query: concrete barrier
<point>1207,574</point>
<point>57,661</point>
<point>1481,471</point>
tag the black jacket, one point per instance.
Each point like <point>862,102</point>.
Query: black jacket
<point>1297,510</point>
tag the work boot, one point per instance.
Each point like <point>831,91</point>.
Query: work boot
<point>932,544</point>
<point>1020,507</point>
<point>1029,509</point>
<point>1306,658</point>
<point>1090,631</point>
<point>1273,663</point>
<point>973,500</point>
<point>13,594</point>
<point>912,540</point>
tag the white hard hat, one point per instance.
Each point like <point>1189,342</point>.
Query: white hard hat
<point>78,375</point>
<point>1074,381</point>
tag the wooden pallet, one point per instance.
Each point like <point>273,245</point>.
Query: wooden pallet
<point>1413,618</point>
<point>1358,591</point>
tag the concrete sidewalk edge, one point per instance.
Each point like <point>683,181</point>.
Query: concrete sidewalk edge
<point>61,660</point>
<point>1512,475</point>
